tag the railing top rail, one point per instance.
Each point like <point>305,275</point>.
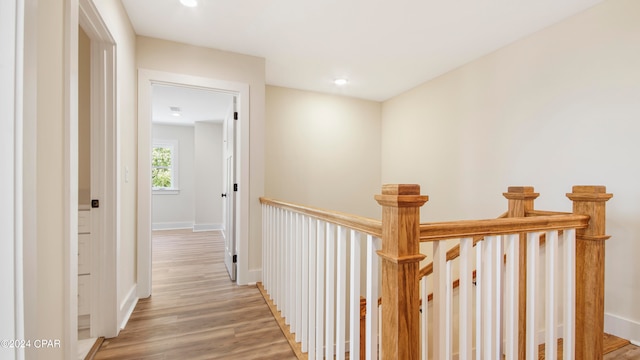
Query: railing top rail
<point>360,223</point>
<point>473,228</point>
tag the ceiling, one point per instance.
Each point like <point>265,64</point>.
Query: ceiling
<point>382,47</point>
<point>195,105</point>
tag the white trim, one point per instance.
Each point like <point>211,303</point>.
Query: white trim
<point>253,276</point>
<point>622,327</point>
<point>104,173</point>
<point>27,144</point>
<point>10,123</point>
<point>207,227</point>
<point>146,78</point>
<point>172,226</point>
<point>70,171</point>
<point>166,191</point>
<point>128,305</point>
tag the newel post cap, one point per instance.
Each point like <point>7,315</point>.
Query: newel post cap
<point>520,193</point>
<point>401,195</point>
<point>589,193</point>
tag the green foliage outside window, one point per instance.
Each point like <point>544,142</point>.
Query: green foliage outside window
<point>161,167</point>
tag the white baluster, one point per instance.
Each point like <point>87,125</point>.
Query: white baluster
<point>569,239</point>
<point>551,316</point>
<point>313,286</point>
<point>466,301</point>
<point>373,245</point>
<point>320,270</point>
<point>268,255</point>
<point>439,300</point>
<point>341,294</point>
<point>488,302</point>
<point>297,321</point>
<point>449,311</point>
<point>380,353</point>
<point>304,290</point>
<point>279,260</point>
<point>512,295</point>
<point>533,260</point>
<point>479,299</point>
<point>497,293</point>
<point>330,289</point>
<point>354,296</point>
<point>424,319</point>
<point>287,274</point>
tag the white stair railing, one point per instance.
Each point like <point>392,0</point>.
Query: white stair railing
<point>317,265</point>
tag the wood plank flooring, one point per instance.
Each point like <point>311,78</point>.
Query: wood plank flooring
<point>195,311</point>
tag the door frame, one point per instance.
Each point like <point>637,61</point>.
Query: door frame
<point>146,79</point>
<point>105,222</point>
<point>11,265</point>
<point>229,204</point>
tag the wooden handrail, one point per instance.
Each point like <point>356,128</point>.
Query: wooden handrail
<point>474,228</point>
<point>360,223</point>
<point>532,213</point>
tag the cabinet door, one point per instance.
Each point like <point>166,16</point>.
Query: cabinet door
<point>84,221</point>
<point>84,292</point>
<point>84,254</point>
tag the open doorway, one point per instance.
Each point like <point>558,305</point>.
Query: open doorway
<point>148,80</point>
<point>192,153</point>
<point>97,135</point>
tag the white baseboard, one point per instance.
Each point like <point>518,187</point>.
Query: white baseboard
<point>254,276</point>
<point>622,327</point>
<point>127,305</point>
<point>207,227</point>
<point>172,226</point>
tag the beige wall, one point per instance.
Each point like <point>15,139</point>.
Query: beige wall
<point>50,198</point>
<point>161,55</point>
<point>556,109</point>
<point>323,150</point>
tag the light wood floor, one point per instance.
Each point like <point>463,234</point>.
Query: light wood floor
<point>195,311</point>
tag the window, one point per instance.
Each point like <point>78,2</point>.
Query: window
<point>164,167</point>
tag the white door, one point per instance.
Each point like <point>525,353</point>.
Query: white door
<point>230,254</point>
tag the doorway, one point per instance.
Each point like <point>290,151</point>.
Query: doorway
<point>193,169</point>
<point>100,179</point>
<point>147,79</point>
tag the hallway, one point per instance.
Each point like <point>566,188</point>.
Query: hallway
<point>195,312</point>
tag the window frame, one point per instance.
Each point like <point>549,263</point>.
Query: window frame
<point>175,185</point>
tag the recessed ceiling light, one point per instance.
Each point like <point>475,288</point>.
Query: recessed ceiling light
<point>189,3</point>
<point>175,111</point>
<point>341,82</point>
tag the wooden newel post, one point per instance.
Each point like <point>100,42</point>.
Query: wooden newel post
<point>520,201</point>
<point>590,245</point>
<point>400,267</point>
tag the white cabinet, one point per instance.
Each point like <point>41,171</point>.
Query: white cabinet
<point>84,260</point>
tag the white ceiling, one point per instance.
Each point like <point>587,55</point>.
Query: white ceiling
<point>195,105</point>
<point>383,47</point>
